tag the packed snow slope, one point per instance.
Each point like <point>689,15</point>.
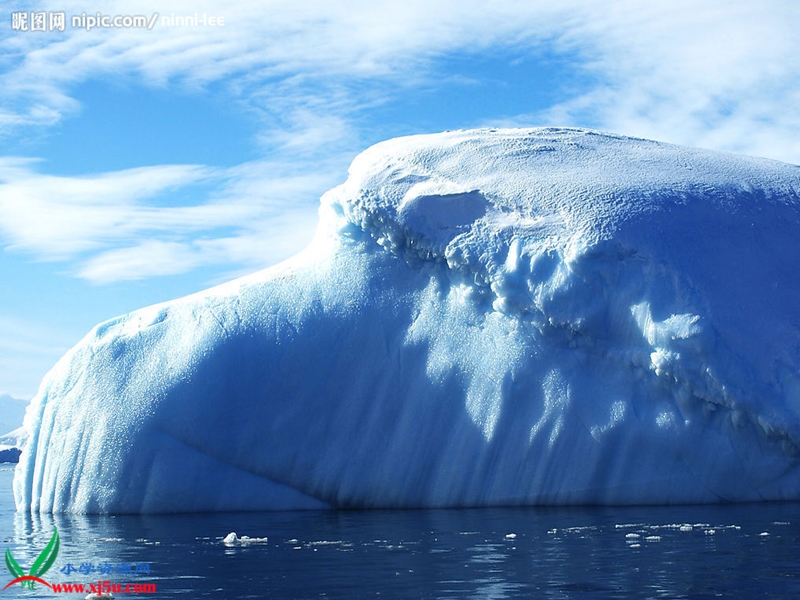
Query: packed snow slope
<point>494,317</point>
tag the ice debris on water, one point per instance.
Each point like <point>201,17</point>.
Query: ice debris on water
<point>234,540</point>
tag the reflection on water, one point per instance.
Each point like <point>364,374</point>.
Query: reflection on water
<point>675,552</point>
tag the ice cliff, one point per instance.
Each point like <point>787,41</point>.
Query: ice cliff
<point>493,317</point>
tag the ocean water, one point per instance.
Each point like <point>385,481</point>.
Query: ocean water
<point>733,551</point>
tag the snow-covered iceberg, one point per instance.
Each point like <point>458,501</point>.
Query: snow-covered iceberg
<point>11,444</point>
<point>494,317</point>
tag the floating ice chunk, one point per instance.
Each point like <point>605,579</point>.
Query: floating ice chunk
<point>234,540</point>
<point>231,539</point>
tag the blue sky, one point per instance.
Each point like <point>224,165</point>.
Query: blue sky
<point>139,165</point>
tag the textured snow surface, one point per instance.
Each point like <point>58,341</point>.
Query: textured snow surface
<point>494,317</point>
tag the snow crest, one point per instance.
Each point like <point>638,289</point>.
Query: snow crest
<point>492,317</point>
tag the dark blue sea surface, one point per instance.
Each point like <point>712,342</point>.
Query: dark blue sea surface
<point>733,551</point>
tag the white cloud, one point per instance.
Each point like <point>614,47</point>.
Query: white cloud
<point>692,55</point>
<point>59,217</point>
<point>147,258</point>
<point>119,226</point>
<point>265,49</point>
<point>722,74</point>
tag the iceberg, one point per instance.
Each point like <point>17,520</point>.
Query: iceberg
<point>488,317</point>
<point>11,445</point>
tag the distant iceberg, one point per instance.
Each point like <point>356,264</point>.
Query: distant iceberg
<point>492,317</point>
<point>11,444</point>
<point>9,454</point>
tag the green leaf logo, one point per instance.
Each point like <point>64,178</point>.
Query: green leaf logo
<point>13,566</point>
<point>40,566</point>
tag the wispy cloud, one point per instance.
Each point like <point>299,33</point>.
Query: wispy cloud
<point>722,74</point>
<point>120,225</point>
<point>283,54</point>
<point>719,74</point>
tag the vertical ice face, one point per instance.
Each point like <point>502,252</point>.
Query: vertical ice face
<point>485,317</point>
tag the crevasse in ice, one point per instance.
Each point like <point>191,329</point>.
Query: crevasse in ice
<point>492,317</point>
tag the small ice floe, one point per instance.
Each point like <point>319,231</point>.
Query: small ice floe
<point>711,532</point>
<point>653,538</point>
<point>632,536</point>
<point>686,528</point>
<point>234,540</point>
<point>764,534</point>
<point>511,536</point>
<point>580,529</point>
<point>105,596</point>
